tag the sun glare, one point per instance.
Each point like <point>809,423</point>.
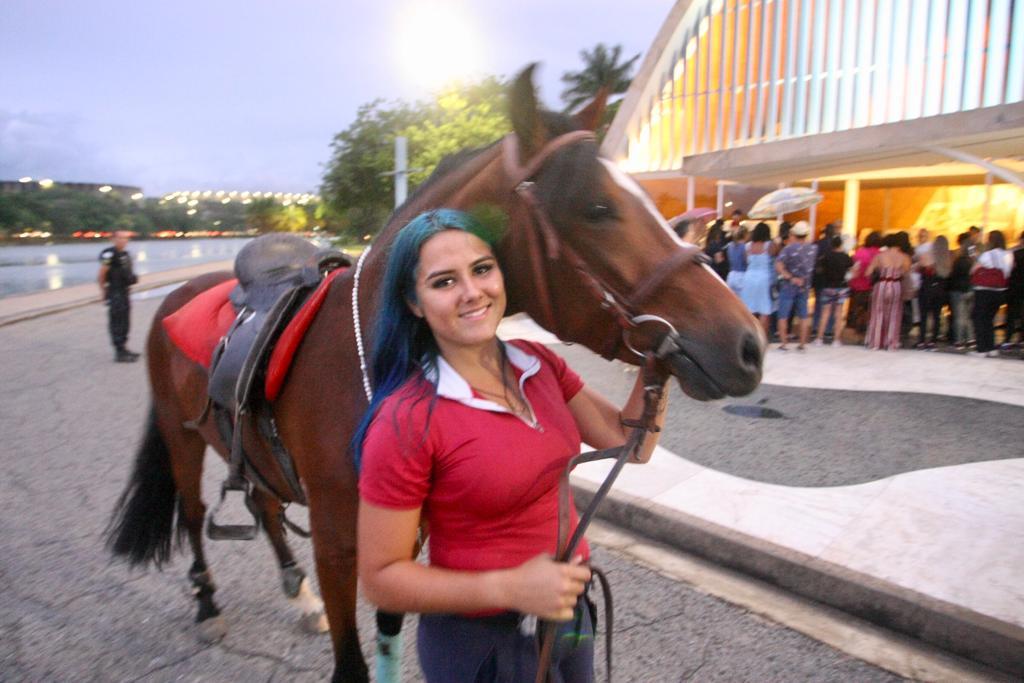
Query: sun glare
<point>437,43</point>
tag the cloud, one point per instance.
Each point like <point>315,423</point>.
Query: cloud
<point>51,145</point>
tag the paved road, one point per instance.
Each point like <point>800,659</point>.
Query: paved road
<point>70,419</point>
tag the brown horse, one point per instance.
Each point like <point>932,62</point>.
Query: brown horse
<point>584,252</point>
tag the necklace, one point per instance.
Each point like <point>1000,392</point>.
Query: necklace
<point>509,395</point>
<point>512,400</point>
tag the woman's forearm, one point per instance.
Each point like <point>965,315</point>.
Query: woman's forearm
<point>409,586</point>
<point>540,586</point>
<point>633,410</point>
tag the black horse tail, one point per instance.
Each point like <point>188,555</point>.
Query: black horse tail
<point>142,526</point>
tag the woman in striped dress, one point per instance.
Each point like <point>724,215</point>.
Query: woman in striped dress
<point>887,296</point>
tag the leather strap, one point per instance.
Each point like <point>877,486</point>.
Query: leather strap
<point>653,390</point>
<point>518,173</point>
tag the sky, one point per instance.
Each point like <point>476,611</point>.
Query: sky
<point>247,95</point>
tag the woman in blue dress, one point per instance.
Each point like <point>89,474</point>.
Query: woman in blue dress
<point>736,254</point>
<point>757,282</point>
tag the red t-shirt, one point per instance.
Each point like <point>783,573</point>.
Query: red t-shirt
<point>862,258</point>
<point>486,480</point>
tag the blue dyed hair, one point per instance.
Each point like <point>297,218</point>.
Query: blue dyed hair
<point>402,342</point>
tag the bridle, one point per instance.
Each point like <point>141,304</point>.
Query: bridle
<point>543,246</point>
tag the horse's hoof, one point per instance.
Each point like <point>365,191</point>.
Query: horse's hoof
<point>212,630</point>
<point>314,623</point>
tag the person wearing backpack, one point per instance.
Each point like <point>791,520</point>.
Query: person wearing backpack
<point>989,280</point>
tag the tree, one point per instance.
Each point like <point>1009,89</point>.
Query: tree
<point>601,69</point>
<point>354,183</point>
<point>462,117</point>
<point>357,188</point>
<point>266,215</point>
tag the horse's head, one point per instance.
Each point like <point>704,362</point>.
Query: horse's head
<point>590,258</point>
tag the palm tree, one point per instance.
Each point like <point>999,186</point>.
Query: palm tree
<point>601,68</point>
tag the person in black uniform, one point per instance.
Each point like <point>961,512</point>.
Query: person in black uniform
<point>115,280</point>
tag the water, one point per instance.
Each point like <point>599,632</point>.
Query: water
<point>38,268</point>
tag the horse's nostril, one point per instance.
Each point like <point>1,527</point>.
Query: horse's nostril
<point>750,351</point>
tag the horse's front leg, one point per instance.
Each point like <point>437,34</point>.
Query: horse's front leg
<point>333,505</point>
<point>294,581</point>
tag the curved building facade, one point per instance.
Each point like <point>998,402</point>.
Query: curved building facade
<point>854,94</point>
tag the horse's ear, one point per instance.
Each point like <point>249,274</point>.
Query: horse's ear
<point>589,118</point>
<point>524,113</point>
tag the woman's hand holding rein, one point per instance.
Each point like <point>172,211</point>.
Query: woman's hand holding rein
<point>395,582</point>
<point>544,588</point>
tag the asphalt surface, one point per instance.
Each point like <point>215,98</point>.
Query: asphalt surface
<point>70,419</point>
<point>822,437</point>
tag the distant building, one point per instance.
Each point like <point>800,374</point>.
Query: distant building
<point>37,184</point>
<point>902,113</point>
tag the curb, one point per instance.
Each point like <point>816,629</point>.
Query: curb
<point>48,310</point>
<point>149,281</point>
<point>950,627</point>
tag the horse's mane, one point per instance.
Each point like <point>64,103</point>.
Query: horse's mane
<point>448,164</point>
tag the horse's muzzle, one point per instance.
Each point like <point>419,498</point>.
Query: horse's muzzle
<point>708,374</point>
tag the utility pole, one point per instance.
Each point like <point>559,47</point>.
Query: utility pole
<point>402,170</point>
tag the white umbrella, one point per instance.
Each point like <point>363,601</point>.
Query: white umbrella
<point>785,200</point>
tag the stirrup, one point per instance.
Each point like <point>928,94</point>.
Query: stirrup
<point>233,532</point>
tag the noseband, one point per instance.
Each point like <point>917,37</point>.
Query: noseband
<point>626,310</point>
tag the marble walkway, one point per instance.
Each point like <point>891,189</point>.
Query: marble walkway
<point>953,534</point>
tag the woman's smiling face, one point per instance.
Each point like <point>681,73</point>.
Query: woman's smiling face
<point>460,290</point>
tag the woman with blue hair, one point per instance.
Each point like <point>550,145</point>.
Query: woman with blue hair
<point>469,435</point>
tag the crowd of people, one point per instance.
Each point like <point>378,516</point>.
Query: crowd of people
<point>895,294</point>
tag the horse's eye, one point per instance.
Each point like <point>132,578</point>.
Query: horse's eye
<point>598,212</point>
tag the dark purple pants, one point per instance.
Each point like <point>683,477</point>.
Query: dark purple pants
<point>458,649</point>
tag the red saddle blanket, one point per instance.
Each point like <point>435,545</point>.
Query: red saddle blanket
<point>197,327</point>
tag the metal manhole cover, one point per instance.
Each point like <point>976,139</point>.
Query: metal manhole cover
<point>753,411</point>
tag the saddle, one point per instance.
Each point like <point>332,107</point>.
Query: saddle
<point>276,275</point>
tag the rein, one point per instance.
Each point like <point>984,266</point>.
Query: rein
<point>623,309</point>
<point>654,390</point>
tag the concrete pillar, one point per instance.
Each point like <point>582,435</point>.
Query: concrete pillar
<point>690,192</point>
<point>988,201</point>
<point>720,204</point>
<point>813,215</point>
<point>851,202</point>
